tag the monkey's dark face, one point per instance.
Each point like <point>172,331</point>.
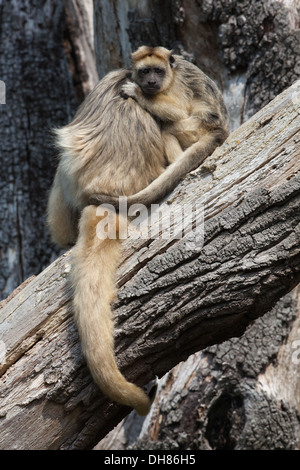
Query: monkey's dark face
<point>151,79</point>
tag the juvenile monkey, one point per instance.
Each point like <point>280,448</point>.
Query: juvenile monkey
<point>161,91</point>
<point>190,107</point>
<point>115,145</point>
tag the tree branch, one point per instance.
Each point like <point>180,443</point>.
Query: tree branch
<point>175,297</point>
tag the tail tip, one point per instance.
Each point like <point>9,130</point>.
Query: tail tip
<point>143,409</point>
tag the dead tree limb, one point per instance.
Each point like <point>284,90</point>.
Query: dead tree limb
<point>175,298</point>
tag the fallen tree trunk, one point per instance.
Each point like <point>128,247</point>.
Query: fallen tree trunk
<point>241,394</point>
<point>175,297</point>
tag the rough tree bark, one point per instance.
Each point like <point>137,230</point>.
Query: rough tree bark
<point>251,48</point>
<point>79,45</point>
<point>39,95</point>
<point>242,394</point>
<point>174,298</point>
<point>123,25</point>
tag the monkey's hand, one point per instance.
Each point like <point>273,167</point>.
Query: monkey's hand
<point>130,90</point>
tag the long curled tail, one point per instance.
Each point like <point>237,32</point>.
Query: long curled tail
<point>93,269</point>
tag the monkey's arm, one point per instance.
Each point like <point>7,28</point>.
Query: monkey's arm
<point>162,106</point>
<point>167,181</point>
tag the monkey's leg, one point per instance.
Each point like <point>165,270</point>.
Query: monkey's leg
<point>172,147</point>
<point>61,219</point>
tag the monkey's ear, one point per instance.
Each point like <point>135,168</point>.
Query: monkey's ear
<point>172,61</point>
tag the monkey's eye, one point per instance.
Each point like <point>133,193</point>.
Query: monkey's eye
<point>159,71</point>
<point>145,71</point>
